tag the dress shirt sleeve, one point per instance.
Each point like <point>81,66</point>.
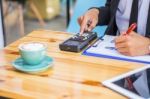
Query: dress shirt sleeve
<point>104,13</point>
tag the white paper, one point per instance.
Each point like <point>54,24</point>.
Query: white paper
<point>101,49</point>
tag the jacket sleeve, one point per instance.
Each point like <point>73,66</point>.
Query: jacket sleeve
<point>104,14</point>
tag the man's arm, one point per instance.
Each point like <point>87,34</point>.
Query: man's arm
<point>104,14</point>
<point>95,16</point>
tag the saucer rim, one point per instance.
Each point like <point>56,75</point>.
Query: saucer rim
<point>50,64</point>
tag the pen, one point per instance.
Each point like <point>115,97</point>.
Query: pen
<point>131,28</point>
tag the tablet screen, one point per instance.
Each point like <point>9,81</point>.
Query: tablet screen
<point>138,83</point>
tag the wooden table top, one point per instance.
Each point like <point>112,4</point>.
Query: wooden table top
<point>73,76</point>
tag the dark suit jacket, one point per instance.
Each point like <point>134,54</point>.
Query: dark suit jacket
<point>107,17</point>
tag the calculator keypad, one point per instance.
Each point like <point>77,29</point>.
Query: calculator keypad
<point>81,38</point>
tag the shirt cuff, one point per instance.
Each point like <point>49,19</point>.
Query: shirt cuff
<point>94,8</point>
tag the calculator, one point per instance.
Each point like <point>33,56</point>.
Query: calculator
<point>78,42</point>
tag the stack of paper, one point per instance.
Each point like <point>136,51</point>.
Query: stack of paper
<point>106,49</point>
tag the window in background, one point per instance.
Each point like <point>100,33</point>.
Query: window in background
<point>57,21</point>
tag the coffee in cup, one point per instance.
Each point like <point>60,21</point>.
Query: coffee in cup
<point>33,53</point>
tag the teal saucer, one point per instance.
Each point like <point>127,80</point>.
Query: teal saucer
<point>44,65</point>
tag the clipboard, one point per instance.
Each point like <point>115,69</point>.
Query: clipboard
<point>100,51</point>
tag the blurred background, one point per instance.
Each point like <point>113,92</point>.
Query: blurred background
<point>20,17</point>
<point>23,16</point>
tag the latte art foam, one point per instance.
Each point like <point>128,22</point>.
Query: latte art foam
<point>33,46</point>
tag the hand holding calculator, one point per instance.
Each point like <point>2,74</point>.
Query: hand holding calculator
<point>78,42</point>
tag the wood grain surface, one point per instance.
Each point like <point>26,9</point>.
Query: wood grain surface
<point>73,76</point>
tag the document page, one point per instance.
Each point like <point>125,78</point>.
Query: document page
<point>107,48</point>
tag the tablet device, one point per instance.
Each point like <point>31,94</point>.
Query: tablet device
<point>134,84</point>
